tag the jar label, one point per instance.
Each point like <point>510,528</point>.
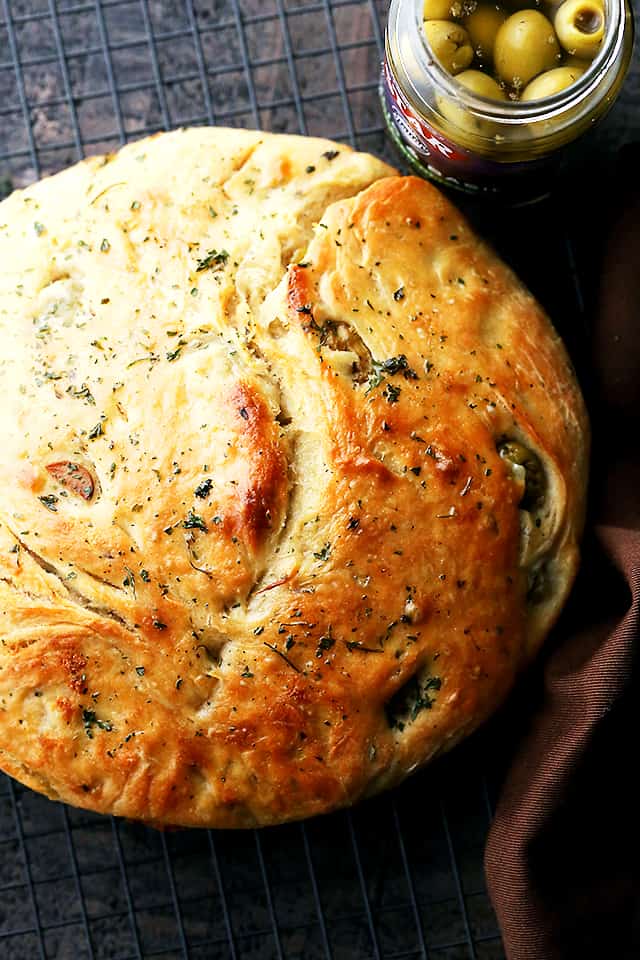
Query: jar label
<point>448,162</point>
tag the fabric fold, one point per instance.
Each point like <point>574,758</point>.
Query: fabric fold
<point>563,852</point>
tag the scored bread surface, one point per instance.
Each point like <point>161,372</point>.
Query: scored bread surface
<point>261,552</point>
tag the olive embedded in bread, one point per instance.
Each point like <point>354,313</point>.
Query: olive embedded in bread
<point>580,27</point>
<point>518,455</point>
<point>450,44</point>
<point>553,81</point>
<point>482,26</point>
<point>526,45</point>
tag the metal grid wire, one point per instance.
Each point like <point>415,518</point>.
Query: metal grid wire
<point>401,876</point>
<point>78,78</point>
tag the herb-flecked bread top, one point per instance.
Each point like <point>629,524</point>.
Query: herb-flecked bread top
<point>292,476</point>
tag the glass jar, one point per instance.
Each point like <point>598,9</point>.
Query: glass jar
<point>510,149</point>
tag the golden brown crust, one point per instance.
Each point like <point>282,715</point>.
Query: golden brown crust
<point>261,552</point>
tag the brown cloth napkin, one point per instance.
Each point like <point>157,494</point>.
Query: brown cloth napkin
<point>563,855</point>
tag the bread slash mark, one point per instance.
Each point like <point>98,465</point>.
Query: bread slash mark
<point>261,496</point>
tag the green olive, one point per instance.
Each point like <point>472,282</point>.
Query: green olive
<point>526,45</point>
<point>481,83</point>
<point>535,480</point>
<point>484,86</point>
<point>580,27</point>
<point>553,81</point>
<point>438,9</point>
<point>482,26</point>
<point>574,62</point>
<point>450,44</point>
<point>448,9</point>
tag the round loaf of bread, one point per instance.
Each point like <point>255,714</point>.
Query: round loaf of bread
<point>293,473</point>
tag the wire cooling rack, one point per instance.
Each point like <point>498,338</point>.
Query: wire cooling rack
<point>86,77</point>
<point>401,876</point>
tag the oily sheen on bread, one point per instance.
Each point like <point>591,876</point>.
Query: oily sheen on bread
<point>292,478</point>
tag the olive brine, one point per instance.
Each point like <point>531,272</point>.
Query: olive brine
<point>529,54</point>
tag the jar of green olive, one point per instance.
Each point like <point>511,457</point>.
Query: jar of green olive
<point>484,96</point>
